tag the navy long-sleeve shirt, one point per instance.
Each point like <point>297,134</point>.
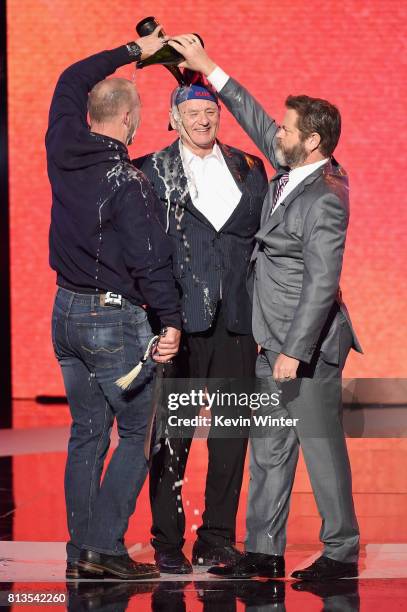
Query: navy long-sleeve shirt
<point>106,233</point>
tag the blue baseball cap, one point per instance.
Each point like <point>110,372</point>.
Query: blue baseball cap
<point>193,92</point>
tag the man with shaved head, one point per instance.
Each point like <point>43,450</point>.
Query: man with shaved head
<point>106,103</point>
<point>112,258</point>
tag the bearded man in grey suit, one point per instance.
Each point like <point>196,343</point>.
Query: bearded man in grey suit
<point>300,323</point>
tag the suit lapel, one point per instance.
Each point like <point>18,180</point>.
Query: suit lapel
<point>177,177</point>
<point>170,177</point>
<point>183,181</point>
<point>239,166</point>
<point>174,185</point>
<point>172,180</point>
<point>269,198</point>
<point>270,221</point>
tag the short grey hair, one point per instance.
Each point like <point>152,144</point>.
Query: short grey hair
<point>108,97</point>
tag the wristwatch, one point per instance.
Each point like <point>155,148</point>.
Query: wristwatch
<point>134,50</point>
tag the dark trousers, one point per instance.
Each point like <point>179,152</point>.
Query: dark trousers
<point>216,353</point>
<point>95,345</point>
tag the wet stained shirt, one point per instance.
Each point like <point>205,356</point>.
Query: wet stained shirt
<point>106,231</point>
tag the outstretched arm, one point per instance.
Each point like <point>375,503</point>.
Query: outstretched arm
<point>70,98</point>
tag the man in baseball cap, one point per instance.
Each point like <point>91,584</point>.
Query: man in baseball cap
<point>212,194</point>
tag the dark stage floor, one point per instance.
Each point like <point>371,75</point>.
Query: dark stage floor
<point>33,531</point>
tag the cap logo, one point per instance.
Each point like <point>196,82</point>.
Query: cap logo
<point>194,92</point>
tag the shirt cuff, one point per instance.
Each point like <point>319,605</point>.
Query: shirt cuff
<point>171,321</point>
<point>218,78</point>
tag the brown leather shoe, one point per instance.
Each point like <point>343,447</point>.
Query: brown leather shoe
<point>72,570</point>
<point>93,563</point>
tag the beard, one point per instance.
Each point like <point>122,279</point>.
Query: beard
<point>291,157</point>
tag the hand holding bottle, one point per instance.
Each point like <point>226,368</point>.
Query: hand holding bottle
<point>152,43</point>
<point>195,55</point>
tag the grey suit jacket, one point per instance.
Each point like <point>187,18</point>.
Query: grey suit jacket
<point>296,264</point>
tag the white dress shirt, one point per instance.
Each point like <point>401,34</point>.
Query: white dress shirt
<point>218,78</point>
<point>212,187</point>
<point>295,177</point>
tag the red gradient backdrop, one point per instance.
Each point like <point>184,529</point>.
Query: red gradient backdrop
<point>351,52</point>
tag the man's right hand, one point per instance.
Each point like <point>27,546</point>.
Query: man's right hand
<point>152,43</point>
<point>195,55</point>
<point>167,346</point>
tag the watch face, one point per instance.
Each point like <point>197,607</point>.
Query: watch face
<point>134,50</point>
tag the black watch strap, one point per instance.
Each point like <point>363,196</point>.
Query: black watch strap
<point>134,51</point>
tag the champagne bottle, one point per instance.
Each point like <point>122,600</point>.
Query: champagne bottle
<point>166,56</point>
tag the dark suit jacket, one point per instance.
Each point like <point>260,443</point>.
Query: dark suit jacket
<point>210,265</point>
<point>296,265</point>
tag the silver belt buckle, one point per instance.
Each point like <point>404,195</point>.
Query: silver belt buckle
<point>111,299</point>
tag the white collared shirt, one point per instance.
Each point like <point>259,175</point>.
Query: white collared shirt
<point>295,177</point>
<point>211,185</point>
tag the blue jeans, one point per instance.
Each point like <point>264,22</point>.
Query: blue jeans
<point>95,345</point>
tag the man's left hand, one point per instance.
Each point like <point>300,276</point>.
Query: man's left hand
<point>285,368</point>
<point>167,346</point>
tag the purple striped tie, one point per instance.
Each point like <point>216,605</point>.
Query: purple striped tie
<point>282,182</point>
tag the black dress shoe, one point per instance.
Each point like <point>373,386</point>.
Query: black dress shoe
<point>72,570</point>
<point>205,554</point>
<point>93,564</point>
<point>325,568</point>
<point>172,561</point>
<point>252,564</point>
